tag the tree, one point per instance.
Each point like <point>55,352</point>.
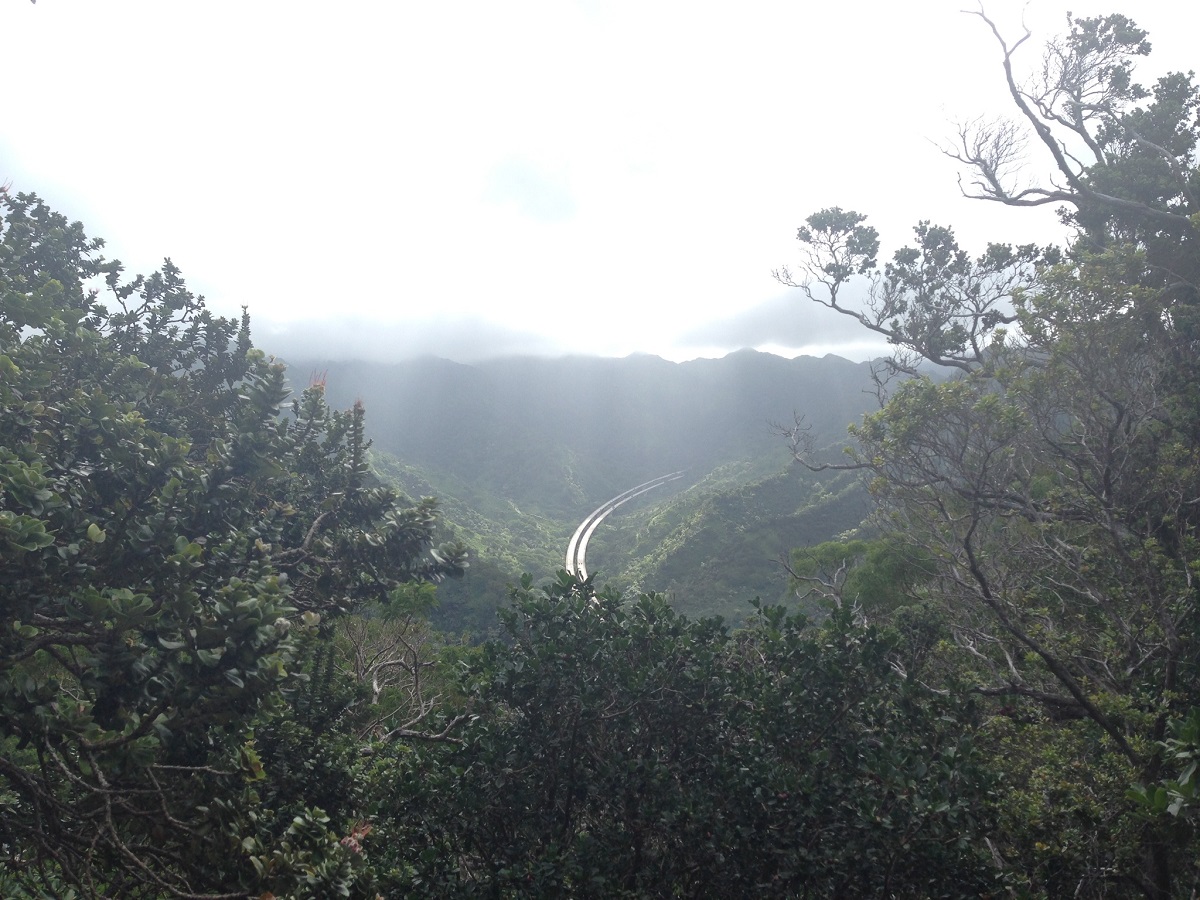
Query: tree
<point>391,652</point>
<point>1124,172</point>
<point>1052,482</point>
<point>617,748</point>
<point>167,538</point>
<point>873,576</point>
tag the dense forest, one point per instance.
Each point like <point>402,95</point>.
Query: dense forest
<point>219,676</point>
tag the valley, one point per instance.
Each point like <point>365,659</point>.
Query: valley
<point>519,450</point>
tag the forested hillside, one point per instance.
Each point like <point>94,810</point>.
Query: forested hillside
<point>218,673</point>
<point>559,436</point>
<point>519,450</point>
<point>716,547</point>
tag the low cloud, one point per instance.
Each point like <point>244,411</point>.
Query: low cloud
<point>462,340</point>
<point>787,324</point>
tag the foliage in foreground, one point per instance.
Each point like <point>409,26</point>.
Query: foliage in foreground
<point>1049,489</point>
<point>619,749</point>
<point>166,540</point>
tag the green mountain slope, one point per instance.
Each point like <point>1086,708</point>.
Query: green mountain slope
<point>519,450</point>
<point>559,436</point>
<point>717,545</point>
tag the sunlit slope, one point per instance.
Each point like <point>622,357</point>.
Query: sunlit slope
<point>716,546</point>
<point>520,450</point>
<point>560,436</point>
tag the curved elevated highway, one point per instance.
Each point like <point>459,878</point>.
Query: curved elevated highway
<point>577,546</point>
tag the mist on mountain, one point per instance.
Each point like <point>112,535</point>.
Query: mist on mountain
<point>520,449</point>
<point>781,325</point>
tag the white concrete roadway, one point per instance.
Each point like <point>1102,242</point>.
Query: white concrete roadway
<point>577,546</point>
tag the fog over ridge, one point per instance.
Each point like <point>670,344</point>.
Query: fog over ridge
<point>785,325</point>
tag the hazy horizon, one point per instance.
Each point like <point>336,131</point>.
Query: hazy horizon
<point>786,326</point>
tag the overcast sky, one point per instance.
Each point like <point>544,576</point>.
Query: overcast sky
<point>478,177</point>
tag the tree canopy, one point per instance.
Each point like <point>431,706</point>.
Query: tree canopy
<point>619,749</point>
<point>1052,483</point>
<point>168,538</point>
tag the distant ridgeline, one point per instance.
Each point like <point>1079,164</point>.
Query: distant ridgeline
<point>520,449</point>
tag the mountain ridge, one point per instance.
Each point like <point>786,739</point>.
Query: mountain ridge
<point>520,449</point>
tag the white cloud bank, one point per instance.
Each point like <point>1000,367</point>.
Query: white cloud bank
<point>604,177</point>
